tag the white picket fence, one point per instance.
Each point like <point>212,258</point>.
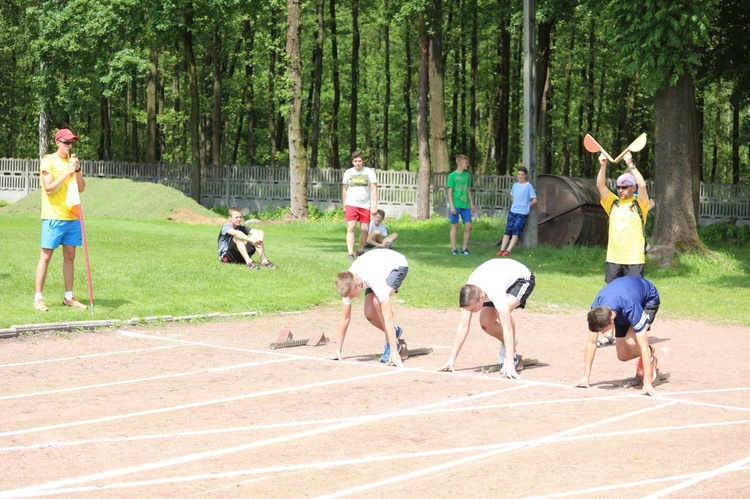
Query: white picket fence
<point>254,188</point>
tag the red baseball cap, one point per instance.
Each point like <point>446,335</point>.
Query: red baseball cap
<point>65,134</point>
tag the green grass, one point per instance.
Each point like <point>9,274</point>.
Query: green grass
<point>143,267</point>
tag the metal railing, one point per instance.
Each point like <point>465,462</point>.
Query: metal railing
<point>254,188</point>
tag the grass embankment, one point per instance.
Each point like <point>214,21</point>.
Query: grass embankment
<point>146,265</point>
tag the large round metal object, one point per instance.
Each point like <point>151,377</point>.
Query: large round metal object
<point>569,212</point>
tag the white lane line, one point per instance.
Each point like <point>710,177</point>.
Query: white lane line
<point>90,356</point>
<point>143,380</point>
<point>490,454</point>
<point>407,456</point>
<point>195,404</point>
<point>36,489</point>
<point>701,477</point>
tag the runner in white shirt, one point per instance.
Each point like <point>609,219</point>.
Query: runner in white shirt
<point>494,290</point>
<point>380,274</point>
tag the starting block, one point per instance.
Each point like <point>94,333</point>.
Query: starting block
<point>493,368</point>
<point>636,382</point>
<point>407,352</point>
<point>286,340</point>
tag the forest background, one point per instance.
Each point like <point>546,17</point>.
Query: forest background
<point>302,83</point>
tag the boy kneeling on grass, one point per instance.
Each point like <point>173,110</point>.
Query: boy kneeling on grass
<point>628,305</point>
<point>238,243</point>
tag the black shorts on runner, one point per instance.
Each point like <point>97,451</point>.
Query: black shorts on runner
<point>622,329</point>
<point>233,254</point>
<point>521,290</point>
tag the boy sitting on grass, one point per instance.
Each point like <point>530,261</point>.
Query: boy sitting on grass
<point>378,236</point>
<point>238,243</point>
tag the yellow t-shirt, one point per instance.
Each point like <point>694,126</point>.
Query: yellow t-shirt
<point>626,240</point>
<point>53,205</point>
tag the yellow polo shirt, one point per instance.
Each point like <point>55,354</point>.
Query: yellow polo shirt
<point>626,240</point>
<point>53,205</point>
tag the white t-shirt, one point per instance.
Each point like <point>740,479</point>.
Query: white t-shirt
<point>380,228</point>
<point>373,268</point>
<point>495,276</point>
<point>358,192</point>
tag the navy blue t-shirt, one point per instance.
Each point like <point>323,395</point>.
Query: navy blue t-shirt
<point>628,296</point>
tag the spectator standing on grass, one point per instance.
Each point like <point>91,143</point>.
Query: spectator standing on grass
<point>59,172</point>
<point>522,198</point>
<point>460,202</point>
<point>627,213</point>
<point>379,274</point>
<point>494,290</point>
<point>378,236</point>
<point>627,305</point>
<point>360,196</point>
<point>238,243</point>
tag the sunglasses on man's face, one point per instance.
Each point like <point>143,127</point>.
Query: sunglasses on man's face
<point>622,187</point>
<point>65,142</point>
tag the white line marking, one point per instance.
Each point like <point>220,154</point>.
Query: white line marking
<point>89,356</point>
<point>486,455</point>
<point>36,489</point>
<point>195,404</point>
<point>394,457</point>
<point>142,380</point>
<point>701,477</point>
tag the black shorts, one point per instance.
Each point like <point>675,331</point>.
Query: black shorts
<point>394,279</point>
<point>233,254</point>
<point>521,290</point>
<point>615,270</point>
<point>622,329</point>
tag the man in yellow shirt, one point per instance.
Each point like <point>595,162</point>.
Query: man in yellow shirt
<point>60,226</point>
<point>626,244</point>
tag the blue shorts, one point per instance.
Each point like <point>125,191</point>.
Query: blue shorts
<point>57,232</point>
<point>394,279</point>
<point>515,224</point>
<point>465,214</point>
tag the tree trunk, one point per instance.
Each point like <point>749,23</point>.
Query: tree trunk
<point>334,140</point>
<point>387,96</point>
<point>216,115</point>
<point>105,153</point>
<point>474,118</point>
<point>195,146</point>
<point>297,159</point>
<point>735,143</point>
<point>437,91</point>
<point>423,176</point>
<point>249,34</point>
<point>566,102</point>
<point>544,48</point>
<point>503,100</point>
<point>317,85</point>
<point>675,156</point>
<point>151,107</point>
<point>354,77</point>
<point>271,99</point>
<point>407,98</point>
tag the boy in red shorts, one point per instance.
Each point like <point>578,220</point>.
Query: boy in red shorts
<point>360,195</point>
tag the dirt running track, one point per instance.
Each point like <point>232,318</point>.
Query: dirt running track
<point>209,410</point>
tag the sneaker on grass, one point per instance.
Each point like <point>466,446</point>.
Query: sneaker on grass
<point>74,303</point>
<point>268,265</point>
<point>41,306</point>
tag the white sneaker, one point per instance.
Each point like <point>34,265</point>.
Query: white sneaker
<point>501,357</point>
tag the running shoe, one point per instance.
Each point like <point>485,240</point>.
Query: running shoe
<point>74,303</point>
<point>41,306</point>
<point>387,350</point>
